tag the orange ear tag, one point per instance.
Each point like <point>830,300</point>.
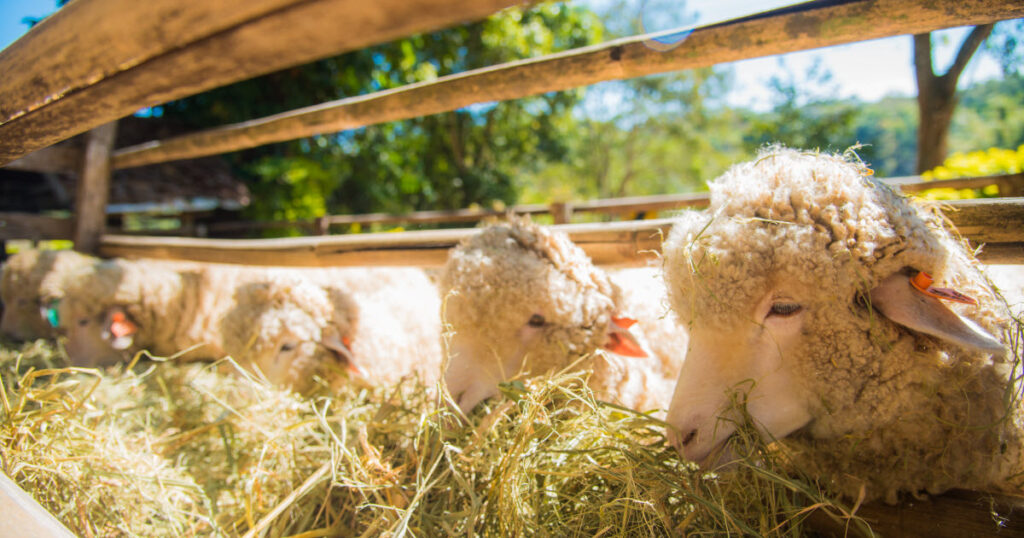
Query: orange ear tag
<point>624,346</point>
<point>625,323</point>
<point>120,326</point>
<point>922,282</point>
<point>347,342</point>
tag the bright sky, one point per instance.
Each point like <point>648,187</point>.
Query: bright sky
<point>868,70</point>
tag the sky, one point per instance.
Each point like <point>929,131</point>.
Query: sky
<point>868,70</point>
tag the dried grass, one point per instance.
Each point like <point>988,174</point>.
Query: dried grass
<point>166,448</point>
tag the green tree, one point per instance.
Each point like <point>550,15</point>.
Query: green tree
<point>803,118</point>
<point>449,160</point>
<point>936,95</point>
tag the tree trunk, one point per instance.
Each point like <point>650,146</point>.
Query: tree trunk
<point>936,95</point>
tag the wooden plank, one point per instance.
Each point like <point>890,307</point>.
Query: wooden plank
<point>812,25</point>
<point>23,516</point>
<point>916,184</point>
<point>294,33</point>
<point>661,202</point>
<point>61,159</point>
<point>86,42</point>
<point>988,220</point>
<point>94,189</point>
<point>34,227</point>
<point>617,243</point>
<point>955,514</point>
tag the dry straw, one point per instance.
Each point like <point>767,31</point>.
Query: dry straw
<point>168,448</point>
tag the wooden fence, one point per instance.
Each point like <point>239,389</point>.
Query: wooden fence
<point>93,62</point>
<point>99,60</point>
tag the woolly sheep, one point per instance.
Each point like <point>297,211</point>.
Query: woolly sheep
<point>31,280</point>
<point>379,325</point>
<point>522,299</point>
<point>117,307</point>
<point>291,324</point>
<point>795,287</point>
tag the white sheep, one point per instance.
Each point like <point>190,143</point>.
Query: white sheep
<point>796,288</point>
<point>522,300</point>
<point>375,325</point>
<point>117,307</point>
<point>31,281</point>
<point>291,324</point>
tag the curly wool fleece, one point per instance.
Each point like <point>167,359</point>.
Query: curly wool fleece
<point>499,278</point>
<point>893,410</point>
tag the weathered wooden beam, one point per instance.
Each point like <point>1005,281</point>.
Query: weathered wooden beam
<point>661,202</point>
<point>94,189</point>
<point>207,43</point>
<point>23,516</point>
<point>988,220</point>
<point>815,24</point>
<point>86,42</point>
<point>955,514</point>
<point>34,227</point>
<point>917,184</point>
<point>60,159</point>
<point>616,243</point>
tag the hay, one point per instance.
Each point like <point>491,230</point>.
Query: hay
<point>168,448</point>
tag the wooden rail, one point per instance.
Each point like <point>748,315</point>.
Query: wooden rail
<point>1009,185</point>
<point>811,25</point>
<point>958,513</point>
<point>616,243</point>
<point>34,227</point>
<point>23,516</point>
<point>105,59</point>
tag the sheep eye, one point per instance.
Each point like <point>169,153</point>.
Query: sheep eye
<point>536,320</point>
<point>784,309</point>
<point>83,322</point>
<point>287,347</point>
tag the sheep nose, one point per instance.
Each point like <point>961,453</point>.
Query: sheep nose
<point>680,440</point>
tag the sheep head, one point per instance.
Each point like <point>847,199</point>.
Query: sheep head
<point>795,286</point>
<point>521,299</point>
<point>31,280</point>
<point>285,328</point>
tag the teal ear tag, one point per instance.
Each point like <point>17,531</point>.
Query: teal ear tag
<point>52,316</point>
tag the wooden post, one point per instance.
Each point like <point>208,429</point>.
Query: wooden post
<point>94,188</point>
<point>562,211</point>
<point>321,226</point>
<point>23,516</point>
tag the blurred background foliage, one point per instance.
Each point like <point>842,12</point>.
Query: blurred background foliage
<point>660,134</point>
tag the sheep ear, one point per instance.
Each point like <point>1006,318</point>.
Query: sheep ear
<point>899,301</point>
<point>342,348</point>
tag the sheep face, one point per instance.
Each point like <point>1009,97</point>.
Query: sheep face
<point>796,289</point>
<point>521,301</point>
<point>29,281</point>
<point>283,328</point>
<point>743,363</point>
<point>95,338</point>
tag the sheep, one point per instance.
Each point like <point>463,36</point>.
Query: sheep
<point>291,324</point>
<point>521,299</point>
<point>378,325</point>
<point>31,281</point>
<point>796,287</point>
<point>117,307</point>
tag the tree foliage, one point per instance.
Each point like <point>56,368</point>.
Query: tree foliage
<point>449,160</point>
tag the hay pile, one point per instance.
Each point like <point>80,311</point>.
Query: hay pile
<point>180,449</point>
